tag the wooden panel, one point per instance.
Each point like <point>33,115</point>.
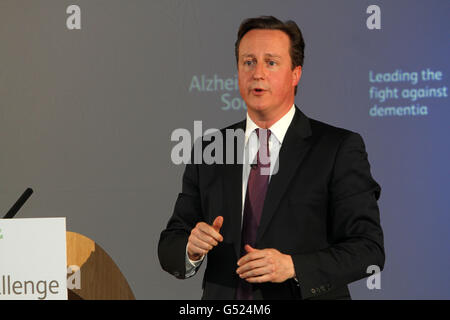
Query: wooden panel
<point>101,279</point>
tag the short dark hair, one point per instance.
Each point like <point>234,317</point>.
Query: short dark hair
<point>289,27</point>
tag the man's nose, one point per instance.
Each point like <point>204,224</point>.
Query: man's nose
<point>259,71</point>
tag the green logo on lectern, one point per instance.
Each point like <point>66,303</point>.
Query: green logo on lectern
<point>1,236</point>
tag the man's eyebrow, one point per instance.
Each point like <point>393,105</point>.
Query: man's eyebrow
<point>251,55</point>
<point>272,55</point>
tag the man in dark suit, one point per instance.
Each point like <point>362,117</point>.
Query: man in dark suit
<point>304,229</point>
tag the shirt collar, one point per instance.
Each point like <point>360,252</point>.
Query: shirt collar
<point>278,129</point>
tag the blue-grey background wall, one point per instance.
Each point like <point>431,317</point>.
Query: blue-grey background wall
<point>86,118</point>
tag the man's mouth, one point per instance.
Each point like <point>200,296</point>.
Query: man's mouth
<point>258,91</point>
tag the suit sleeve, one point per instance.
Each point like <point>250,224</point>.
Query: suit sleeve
<point>187,212</point>
<point>354,230</point>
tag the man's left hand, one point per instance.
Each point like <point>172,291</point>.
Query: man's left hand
<point>265,265</point>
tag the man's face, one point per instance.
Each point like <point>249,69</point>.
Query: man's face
<point>266,78</point>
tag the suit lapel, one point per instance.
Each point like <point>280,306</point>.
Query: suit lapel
<point>232,181</point>
<point>233,198</point>
<point>293,150</point>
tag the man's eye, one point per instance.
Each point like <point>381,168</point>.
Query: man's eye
<point>272,63</point>
<point>248,62</point>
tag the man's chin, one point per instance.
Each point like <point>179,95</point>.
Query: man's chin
<point>257,106</point>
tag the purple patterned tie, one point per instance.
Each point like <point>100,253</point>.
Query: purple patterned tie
<point>258,181</point>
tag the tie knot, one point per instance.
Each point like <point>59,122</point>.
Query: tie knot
<point>263,133</point>
<point>263,155</point>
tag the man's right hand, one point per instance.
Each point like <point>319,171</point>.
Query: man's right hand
<point>203,238</point>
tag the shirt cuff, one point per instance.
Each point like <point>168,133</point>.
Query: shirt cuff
<point>191,265</point>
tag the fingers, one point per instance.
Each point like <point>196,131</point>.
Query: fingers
<point>202,244</point>
<point>261,279</point>
<point>195,252</point>
<point>265,265</point>
<point>203,238</point>
<point>252,254</point>
<point>249,248</point>
<point>257,271</point>
<point>247,269</point>
<point>208,231</point>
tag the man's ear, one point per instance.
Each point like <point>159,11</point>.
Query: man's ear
<point>296,75</point>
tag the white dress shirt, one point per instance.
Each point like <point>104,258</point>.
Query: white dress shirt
<point>278,131</point>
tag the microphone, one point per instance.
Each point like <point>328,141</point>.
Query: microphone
<point>19,203</point>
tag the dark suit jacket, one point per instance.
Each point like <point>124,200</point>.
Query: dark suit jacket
<point>320,208</point>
